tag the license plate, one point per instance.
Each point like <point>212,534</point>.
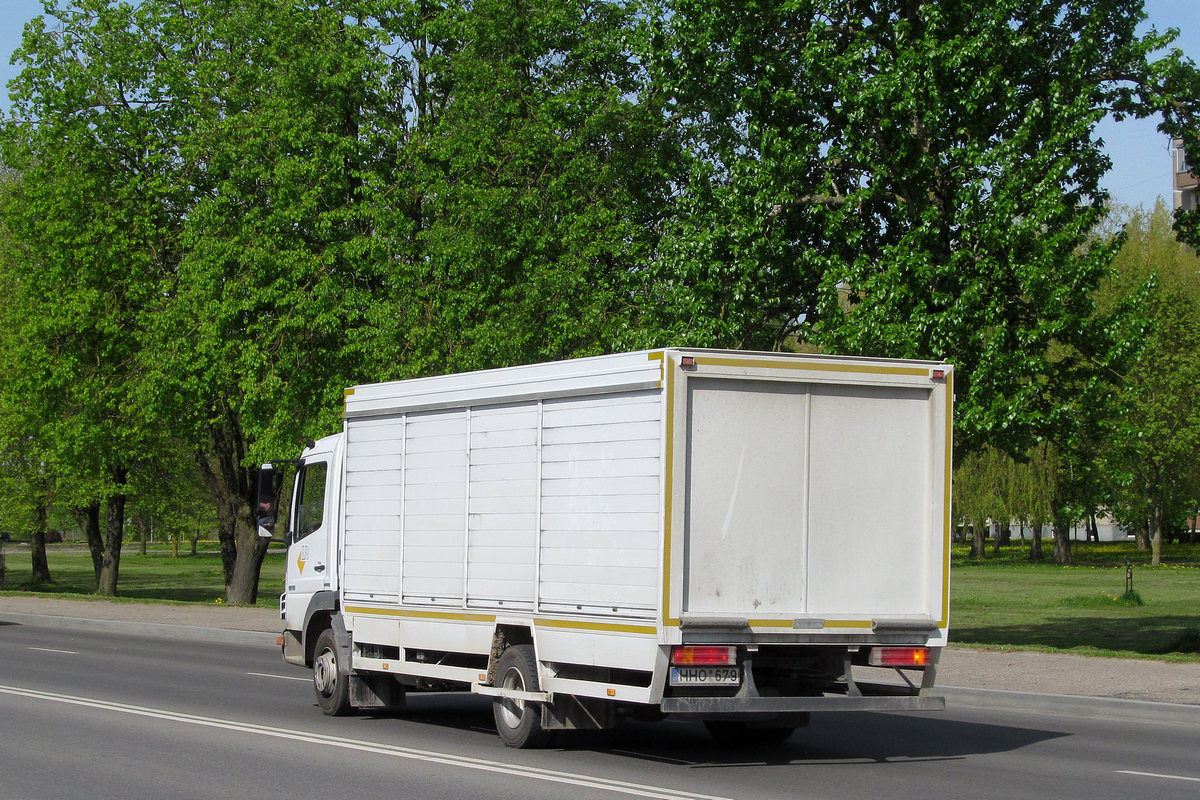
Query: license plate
<point>706,676</point>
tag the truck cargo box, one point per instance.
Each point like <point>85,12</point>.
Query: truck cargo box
<point>602,511</point>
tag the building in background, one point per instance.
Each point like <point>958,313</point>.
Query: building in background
<point>1186,184</point>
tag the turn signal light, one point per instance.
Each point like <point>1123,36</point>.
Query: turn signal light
<point>703,656</point>
<point>911,657</point>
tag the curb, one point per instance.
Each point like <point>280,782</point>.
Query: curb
<point>159,630</point>
<point>1071,705</point>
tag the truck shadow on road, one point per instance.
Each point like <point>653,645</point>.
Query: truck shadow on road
<point>857,737</point>
<point>852,737</point>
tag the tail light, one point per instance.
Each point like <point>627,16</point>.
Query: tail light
<point>903,657</point>
<point>703,656</point>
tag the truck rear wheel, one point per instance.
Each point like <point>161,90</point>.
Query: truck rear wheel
<point>331,686</point>
<point>519,722</point>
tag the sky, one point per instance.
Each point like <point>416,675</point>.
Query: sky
<point>1141,172</point>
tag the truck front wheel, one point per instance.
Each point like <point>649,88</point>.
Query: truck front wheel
<point>519,722</point>
<point>332,687</point>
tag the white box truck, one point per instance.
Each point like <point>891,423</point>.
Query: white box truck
<point>741,538</point>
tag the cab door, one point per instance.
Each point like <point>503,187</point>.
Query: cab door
<point>312,557</point>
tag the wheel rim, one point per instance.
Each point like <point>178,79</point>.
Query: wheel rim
<point>325,673</point>
<point>511,710</point>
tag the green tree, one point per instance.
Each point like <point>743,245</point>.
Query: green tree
<point>89,221</point>
<point>1033,489</point>
<point>254,337</point>
<point>908,179</point>
<point>537,176</point>
<point>1156,433</point>
<point>24,487</point>
<point>983,494</point>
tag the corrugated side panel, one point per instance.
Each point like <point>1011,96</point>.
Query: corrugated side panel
<point>435,507</point>
<point>502,523</point>
<point>371,559</point>
<point>443,506</point>
<point>601,504</point>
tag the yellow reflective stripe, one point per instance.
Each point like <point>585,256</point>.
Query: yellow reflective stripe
<point>816,366</point>
<point>668,497</point>
<point>826,624</point>
<point>945,620</point>
<point>416,614</point>
<point>647,630</point>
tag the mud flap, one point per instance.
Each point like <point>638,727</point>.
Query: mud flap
<point>570,713</point>
<point>375,691</point>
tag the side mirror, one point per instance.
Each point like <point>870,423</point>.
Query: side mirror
<point>270,482</point>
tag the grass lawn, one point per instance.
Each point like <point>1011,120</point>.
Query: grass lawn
<point>154,576</point>
<point>1001,601</point>
<point>1006,602</point>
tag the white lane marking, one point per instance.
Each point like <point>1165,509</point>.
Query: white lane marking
<point>1157,775</point>
<point>49,650</point>
<point>466,762</point>
<point>280,677</point>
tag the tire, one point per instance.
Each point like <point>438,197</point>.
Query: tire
<point>519,722</point>
<point>331,686</point>
<point>739,734</point>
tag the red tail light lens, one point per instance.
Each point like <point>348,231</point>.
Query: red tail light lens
<point>703,656</point>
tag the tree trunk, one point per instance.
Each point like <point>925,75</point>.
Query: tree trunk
<point>242,590</point>
<point>234,487</point>
<point>1062,538</point>
<point>1003,537</point>
<point>1155,525</point>
<point>88,518</point>
<point>1142,535</point>
<point>37,544</point>
<point>114,535</point>
<point>1035,542</point>
<point>978,543</point>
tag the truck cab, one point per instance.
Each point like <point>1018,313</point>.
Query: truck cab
<point>311,579</point>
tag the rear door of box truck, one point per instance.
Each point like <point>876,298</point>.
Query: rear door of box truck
<point>814,495</point>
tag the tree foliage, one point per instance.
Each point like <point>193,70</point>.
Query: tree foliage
<point>911,179</point>
<point>91,240</point>
<point>1153,439</point>
<point>222,213</point>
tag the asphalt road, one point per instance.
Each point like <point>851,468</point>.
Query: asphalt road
<point>115,716</point>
